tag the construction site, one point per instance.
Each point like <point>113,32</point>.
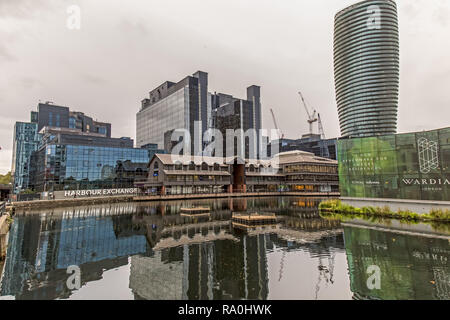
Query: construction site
<point>313,141</point>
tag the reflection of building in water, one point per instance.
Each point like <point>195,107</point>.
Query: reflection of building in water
<point>172,257</point>
<point>156,277</point>
<point>395,255</point>
<point>211,264</point>
<point>42,247</point>
<point>209,270</point>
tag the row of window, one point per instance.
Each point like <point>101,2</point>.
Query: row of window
<point>310,168</point>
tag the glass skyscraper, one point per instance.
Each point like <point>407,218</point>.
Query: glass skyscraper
<point>173,106</point>
<point>63,150</point>
<point>27,136</point>
<point>366,68</point>
<point>26,141</point>
<point>71,160</point>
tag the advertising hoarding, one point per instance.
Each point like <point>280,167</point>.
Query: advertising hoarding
<point>402,166</point>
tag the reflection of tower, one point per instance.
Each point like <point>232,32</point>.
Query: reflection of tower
<point>43,246</point>
<point>208,270</point>
<point>198,269</point>
<point>21,254</point>
<point>255,267</point>
<point>154,279</point>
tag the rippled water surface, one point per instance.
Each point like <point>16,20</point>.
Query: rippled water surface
<point>151,251</point>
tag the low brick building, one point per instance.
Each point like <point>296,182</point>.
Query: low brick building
<point>291,171</point>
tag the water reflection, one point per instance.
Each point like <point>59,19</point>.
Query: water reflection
<point>411,267</point>
<point>164,255</point>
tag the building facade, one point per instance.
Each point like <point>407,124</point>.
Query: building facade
<point>185,104</point>
<point>326,148</point>
<point>412,166</point>
<point>50,115</point>
<point>290,172</point>
<point>68,159</point>
<point>366,68</point>
<point>25,142</point>
<point>27,136</point>
<point>234,114</point>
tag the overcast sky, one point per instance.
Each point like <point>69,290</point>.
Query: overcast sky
<point>126,48</point>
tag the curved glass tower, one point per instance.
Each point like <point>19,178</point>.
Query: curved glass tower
<point>366,68</point>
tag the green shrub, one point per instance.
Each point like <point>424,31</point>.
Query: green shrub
<point>337,206</point>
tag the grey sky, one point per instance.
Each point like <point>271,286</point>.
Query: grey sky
<point>126,48</point>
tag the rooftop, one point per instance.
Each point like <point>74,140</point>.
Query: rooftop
<point>281,158</point>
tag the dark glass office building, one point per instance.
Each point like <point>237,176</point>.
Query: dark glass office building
<point>50,115</point>
<point>235,114</point>
<point>366,68</point>
<point>181,105</point>
<point>26,141</point>
<point>27,136</point>
<point>71,160</point>
<point>313,143</point>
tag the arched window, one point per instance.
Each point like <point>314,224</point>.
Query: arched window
<point>156,165</point>
<point>216,167</point>
<point>252,168</point>
<point>204,166</point>
<point>192,166</point>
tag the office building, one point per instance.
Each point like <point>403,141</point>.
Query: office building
<point>25,142</point>
<point>50,115</point>
<point>231,113</point>
<point>180,105</point>
<point>313,143</point>
<point>366,68</point>
<point>69,159</point>
<point>295,171</point>
<point>27,137</point>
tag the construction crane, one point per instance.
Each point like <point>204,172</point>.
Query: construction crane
<point>321,131</point>
<point>311,117</point>
<point>275,123</point>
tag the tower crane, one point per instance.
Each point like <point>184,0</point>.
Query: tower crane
<point>311,117</point>
<point>275,123</point>
<point>321,131</point>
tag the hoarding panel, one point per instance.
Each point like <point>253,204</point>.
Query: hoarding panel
<point>404,166</point>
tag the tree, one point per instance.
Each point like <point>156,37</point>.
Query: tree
<point>5,178</point>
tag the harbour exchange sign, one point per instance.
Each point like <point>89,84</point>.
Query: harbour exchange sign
<point>99,192</point>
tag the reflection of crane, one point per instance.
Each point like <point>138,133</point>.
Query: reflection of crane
<point>326,273</point>
<point>275,123</point>
<point>311,117</point>
<point>282,265</point>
